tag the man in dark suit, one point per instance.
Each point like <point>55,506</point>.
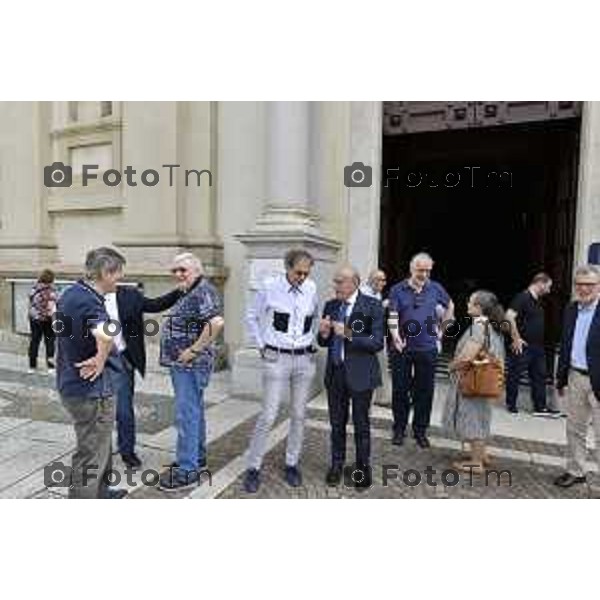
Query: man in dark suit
<point>578,373</point>
<point>127,306</point>
<point>352,330</point>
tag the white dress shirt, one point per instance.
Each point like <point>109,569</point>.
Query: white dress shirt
<point>367,290</point>
<point>110,302</point>
<point>282,315</point>
<point>350,302</point>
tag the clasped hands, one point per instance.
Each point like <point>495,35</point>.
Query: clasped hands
<point>327,326</point>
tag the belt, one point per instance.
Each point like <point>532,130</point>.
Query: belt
<point>293,351</point>
<point>581,371</point>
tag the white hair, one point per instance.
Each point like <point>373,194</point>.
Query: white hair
<point>373,275</point>
<point>190,259</point>
<point>419,257</point>
<point>587,270</point>
<point>355,273</point>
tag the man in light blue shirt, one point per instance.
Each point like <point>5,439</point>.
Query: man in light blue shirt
<point>585,314</point>
<point>578,374</point>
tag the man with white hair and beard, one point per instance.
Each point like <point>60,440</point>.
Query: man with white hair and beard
<point>187,348</point>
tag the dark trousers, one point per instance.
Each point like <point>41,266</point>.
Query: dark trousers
<point>93,419</point>
<point>123,384</point>
<point>339,397</point>
<point>413,375</point>
<point>533,359</point>
<point>39,330</point>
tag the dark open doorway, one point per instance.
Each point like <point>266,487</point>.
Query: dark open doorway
<point>511,214</point>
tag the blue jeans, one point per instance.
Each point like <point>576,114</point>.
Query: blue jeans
<point>189,385</point>
<point>123,381</point>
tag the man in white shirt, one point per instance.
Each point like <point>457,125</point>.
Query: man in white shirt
<point>281,322</point>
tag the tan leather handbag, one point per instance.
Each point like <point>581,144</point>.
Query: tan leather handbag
<point>482,377</point>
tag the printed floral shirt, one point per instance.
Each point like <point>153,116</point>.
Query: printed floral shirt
<point>184,323</point>
<point>42,301</point>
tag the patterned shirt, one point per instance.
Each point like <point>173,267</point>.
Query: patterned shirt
<point>42,301</point>
<point>184,323</point>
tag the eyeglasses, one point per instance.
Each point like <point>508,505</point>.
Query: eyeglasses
<point>584,284</point>
<point>176,270</point>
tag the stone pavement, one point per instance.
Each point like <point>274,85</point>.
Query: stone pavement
<point>35,431</point>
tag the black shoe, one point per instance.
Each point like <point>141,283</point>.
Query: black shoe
<point>252,481</point>
<point>175,465</point>
<point>115,494</point>
<point>173,481</point>
<point>512,409</point>
<point>131,460</point>
<point>293,476</point>
<point>398,439</point>
<point>566,480</point>
<point>422,441</point>
<point>547,412</point>
<point>334,476</point>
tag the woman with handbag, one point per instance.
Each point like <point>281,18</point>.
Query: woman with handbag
<point>42,305</point>
<point>476,380</point>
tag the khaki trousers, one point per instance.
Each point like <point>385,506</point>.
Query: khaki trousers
<point>582,407</point>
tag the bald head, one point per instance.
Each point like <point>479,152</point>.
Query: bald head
<point>377,280</point>
<point>346,281</point>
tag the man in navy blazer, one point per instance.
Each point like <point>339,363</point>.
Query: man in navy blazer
<point>128,306</point>
<point>352,330</point>
<point>578,373</point>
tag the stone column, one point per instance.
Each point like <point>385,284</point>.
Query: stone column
<point>364,203</point>
<point>288,220</point>
<point>587,224</point>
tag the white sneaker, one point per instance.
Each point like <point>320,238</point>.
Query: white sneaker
<point>548,413</point>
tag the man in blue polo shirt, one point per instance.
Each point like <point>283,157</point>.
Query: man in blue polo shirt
<point>416,305</point>
<point>84,346</point>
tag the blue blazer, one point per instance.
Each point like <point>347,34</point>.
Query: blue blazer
<point>360,354</point>
<point>592,348</point>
